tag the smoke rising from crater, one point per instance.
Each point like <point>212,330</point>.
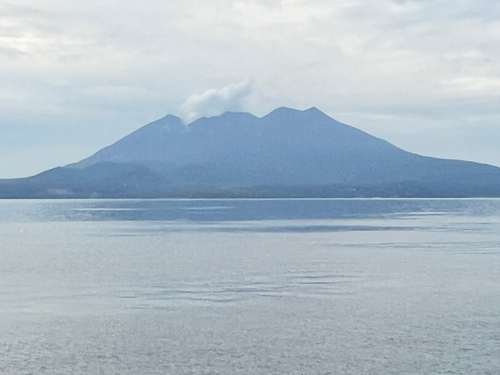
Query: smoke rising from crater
<point>213,102</point>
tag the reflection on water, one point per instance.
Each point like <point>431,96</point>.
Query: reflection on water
<point>216,210</point>
<point>249,286</point>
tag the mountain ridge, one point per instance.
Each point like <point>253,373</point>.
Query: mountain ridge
<point>288,151</point>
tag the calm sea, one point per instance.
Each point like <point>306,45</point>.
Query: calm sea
<point>250,287</point>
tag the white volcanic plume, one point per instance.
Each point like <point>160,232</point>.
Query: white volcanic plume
<point>213,102</point>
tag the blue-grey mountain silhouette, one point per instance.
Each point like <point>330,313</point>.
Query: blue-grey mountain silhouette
<point>288,153</point>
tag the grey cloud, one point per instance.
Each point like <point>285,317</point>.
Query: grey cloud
<point>10,52</point>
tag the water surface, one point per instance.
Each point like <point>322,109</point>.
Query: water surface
<point>250,287</point>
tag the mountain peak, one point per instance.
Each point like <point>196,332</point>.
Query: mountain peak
<point>170,117</point>
<point>285,115</point>
<point>281,113</point>
<point>313,110</point>
<point>169,123</point>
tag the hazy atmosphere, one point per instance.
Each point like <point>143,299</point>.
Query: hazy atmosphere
<point>242,187</point>
<point>77,76</point>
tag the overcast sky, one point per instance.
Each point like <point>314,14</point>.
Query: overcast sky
<point>77,75</point>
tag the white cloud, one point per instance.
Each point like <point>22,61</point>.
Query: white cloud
<point>473,85</point>
<point>214,102</point>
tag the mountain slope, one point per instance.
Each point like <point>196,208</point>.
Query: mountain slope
<point>286,153</point>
